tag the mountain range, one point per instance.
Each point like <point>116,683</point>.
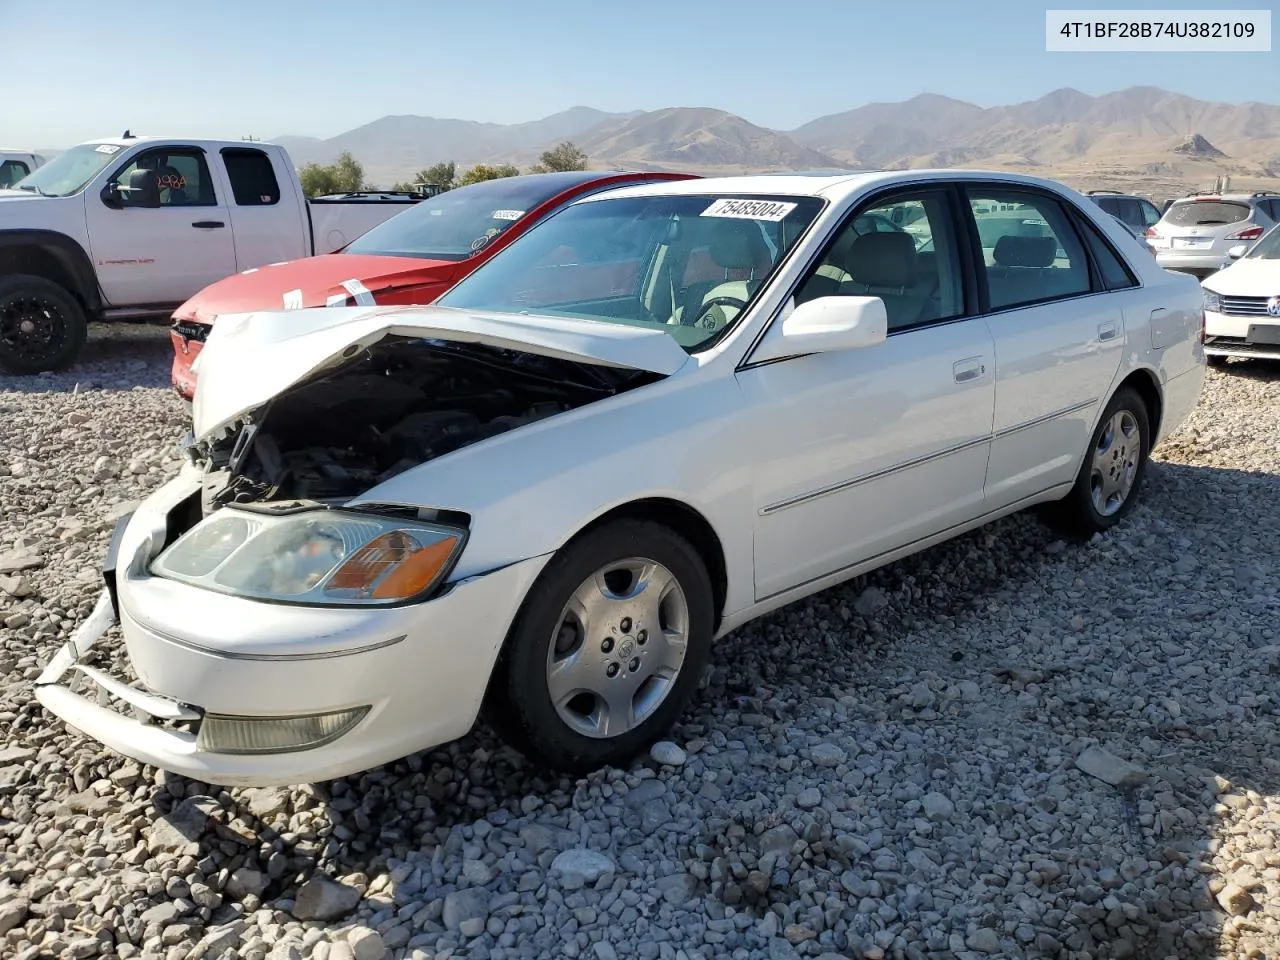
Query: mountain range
<point>1141,137</point>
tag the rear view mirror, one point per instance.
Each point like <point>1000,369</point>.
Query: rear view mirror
<point>1238,251</point>
<point>826,325</point>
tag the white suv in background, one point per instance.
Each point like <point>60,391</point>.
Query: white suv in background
<point>1242,304</point>
<point>1196,232</point>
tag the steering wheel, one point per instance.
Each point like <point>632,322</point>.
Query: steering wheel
<point>702,320</point>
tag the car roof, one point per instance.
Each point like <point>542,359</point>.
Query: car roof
<point>831,185</point>
<point>1231,197</point>
<point>195,141</point>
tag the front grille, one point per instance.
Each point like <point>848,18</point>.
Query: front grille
<point>1245,306</point>
<point>190,330</point>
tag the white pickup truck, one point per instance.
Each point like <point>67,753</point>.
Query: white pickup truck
<point>130,227</point>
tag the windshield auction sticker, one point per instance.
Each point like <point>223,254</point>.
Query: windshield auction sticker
<point>507,214</point>
<point>771,210</point>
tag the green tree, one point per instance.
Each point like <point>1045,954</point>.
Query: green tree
<point>439,174</point>
<point>564,156</point>
<point>483,171</point>
<point>345,175</point>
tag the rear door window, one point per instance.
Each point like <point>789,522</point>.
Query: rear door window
<point>1031,253</point>
<point>1150,215</point>
<point>1130,212</point>
<point>253,181</point>
<point>1206,213</point>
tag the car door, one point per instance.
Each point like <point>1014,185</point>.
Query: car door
<point>267,226</point>
<point>163,244</point>
<point>1059,336</point>
<point>864,451</point>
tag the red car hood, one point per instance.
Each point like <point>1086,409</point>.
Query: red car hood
<point>314,282</point>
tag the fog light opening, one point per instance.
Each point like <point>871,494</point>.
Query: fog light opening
<point>249,735</point>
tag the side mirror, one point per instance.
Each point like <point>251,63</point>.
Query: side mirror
<point>826,325</point>
<point>112,196</point>
<point>143,190</point>
<point>1238,251</point>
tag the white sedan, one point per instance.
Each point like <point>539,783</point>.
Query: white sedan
<point>664,411</point>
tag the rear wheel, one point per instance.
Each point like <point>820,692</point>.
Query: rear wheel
<point>607,650</point>
<point>1215,360</point>
<point>1107,485</point>
<point>42,326</point>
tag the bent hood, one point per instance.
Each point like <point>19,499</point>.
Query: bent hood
<point>250,358</point>
<point>339,279</point>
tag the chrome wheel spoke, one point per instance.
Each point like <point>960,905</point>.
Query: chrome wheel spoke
<point>616,711</point>
<point>567,678</point>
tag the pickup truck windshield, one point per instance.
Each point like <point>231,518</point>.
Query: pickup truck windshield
<point>69,171</point>
<point>456,224</point>
<point>688,265</point>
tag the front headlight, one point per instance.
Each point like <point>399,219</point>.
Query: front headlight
<point>1212,302</point>
<point>317,557</point>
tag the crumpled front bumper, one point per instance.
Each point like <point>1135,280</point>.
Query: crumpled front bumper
<point>421,671</point>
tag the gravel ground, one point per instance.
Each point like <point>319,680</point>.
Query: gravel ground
<point>1006,746</point>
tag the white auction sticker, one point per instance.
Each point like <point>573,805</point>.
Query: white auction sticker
<point>507,214</point>
<point>107,148</point>
<point>771,210</point>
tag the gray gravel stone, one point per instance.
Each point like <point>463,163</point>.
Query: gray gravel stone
<point>323,899</point>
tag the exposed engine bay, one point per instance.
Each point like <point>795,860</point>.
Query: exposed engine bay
<point>394,406</point>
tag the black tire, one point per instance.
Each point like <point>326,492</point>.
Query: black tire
<point>42,326</point>
<point>1215,360</point>
<point>1077,514</point>
<point>519,703</point>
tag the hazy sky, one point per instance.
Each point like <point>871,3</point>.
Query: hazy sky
<point>230,68</point>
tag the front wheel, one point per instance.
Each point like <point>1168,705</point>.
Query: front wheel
<point>606,652</point>
<point>1106,487</point>
<point>42,326</point>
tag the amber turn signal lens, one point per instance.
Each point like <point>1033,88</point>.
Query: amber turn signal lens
<point>393,566</point>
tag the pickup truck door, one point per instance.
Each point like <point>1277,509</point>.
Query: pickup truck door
<point>268,212</point>
<point>149,254</point>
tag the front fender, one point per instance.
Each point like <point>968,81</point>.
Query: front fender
<point>24,250</point>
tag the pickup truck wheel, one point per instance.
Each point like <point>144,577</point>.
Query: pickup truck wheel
<point>607,650</point>
<point>42,326</point>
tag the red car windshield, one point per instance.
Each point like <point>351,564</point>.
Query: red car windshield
<point>459,223</point>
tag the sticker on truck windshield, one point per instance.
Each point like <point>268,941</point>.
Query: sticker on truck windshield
<point>107,148</point>
<point>771,210</point>
<point>507,214</point>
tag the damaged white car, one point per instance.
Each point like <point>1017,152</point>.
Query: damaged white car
<point>664,411</point>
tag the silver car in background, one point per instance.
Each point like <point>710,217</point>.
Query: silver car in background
<point>1196,232</point>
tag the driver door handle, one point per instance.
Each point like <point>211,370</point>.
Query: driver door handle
<point>969,369</point>
<point>208,224</point>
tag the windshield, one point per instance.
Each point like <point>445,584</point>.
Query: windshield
<point>688,265</point>
<point>1268,248</point>
<point>69,171</point>
<point>1205,213</point>
<point>458,223</point>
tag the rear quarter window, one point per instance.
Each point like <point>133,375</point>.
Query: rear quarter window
<point>1206,213</point>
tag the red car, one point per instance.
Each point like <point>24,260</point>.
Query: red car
<point>412,258</point>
